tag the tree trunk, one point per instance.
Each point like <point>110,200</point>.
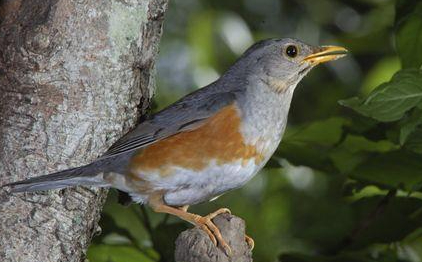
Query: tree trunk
<point>74,76</point>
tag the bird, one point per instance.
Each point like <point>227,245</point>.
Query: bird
<point>209,142</point>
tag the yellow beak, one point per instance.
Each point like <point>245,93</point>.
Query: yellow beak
<point>325,54</point>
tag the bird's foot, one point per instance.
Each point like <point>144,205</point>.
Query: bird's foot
<point>203,222</point>
<point>248,239</point>
<point>206,224</point>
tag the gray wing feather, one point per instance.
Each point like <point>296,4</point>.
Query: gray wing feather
<point>186,114</point>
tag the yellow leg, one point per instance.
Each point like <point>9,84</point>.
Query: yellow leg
<point>184,208</point>
<point>203,223</point>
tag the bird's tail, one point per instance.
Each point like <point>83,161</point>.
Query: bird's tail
<point>87,175</point>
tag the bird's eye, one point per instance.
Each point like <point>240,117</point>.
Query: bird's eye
<point>291,51</point>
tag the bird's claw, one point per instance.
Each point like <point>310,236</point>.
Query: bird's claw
<point>209,233</point>
<point>206,224</point>
<point>250,242</point>
<point>218,212</point>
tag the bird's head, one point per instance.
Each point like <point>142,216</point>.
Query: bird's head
<point>282,63</point>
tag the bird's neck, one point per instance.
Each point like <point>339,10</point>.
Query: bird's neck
<point>264,112</point>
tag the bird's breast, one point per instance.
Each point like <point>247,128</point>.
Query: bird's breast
<point>195,166</point>
<point>219,140</point>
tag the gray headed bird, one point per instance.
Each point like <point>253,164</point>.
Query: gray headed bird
<point>209,142</point>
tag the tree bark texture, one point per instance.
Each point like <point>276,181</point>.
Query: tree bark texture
<point>194,245</point>
<point>74,76</point>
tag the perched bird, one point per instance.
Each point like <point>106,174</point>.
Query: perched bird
<point>209,142</point>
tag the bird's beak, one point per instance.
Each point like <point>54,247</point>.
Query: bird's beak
<point>326,53</point>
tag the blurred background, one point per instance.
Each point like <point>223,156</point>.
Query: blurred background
<point>295,210</point>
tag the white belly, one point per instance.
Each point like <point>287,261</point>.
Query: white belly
<point>187,187</point>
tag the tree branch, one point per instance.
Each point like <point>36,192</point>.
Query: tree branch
<point>194,245</point>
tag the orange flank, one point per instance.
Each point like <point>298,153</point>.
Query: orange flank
<point>218,139</point>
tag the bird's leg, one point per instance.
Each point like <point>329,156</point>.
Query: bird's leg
<point>204,223</point>
<point>184,208</point>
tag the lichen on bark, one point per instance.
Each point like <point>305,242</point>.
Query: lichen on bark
<point>69,88</point>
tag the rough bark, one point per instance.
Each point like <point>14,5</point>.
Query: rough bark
<point>194,245</point>
<point>74,76</point>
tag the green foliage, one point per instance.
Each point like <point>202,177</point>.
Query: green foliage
<point>380,73</point>
<point>414,143</point>
<point>409,34</point>
<point>390,101</point>
<point>397,169</point>
<point>404,211</point>
<point>384,155</point>
<point>345,185</point>
<point>116,253</point>
<point>409,125</point>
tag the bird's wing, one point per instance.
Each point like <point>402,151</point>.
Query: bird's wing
<point>186,114</point>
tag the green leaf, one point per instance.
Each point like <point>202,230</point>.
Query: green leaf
<point>409,125</point>
<point>295,257</point>
<point>402,212</point>
<point>354,150</point>
<point>393,169</point>
<point>385,256</point>
<point>414,142</point>
<point>326,132</point>
<point>310,145</point>
<point>404,8</point>
<point>111,253</point>
<point>374,223</point>
<point>359,143</point>
<point>164,237</point>
<point>381,72</point>
<point>409,39</point>
<point>345,161</point>
<point>323,223</point>
<point>122,220</point>
<point>390,101</point>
